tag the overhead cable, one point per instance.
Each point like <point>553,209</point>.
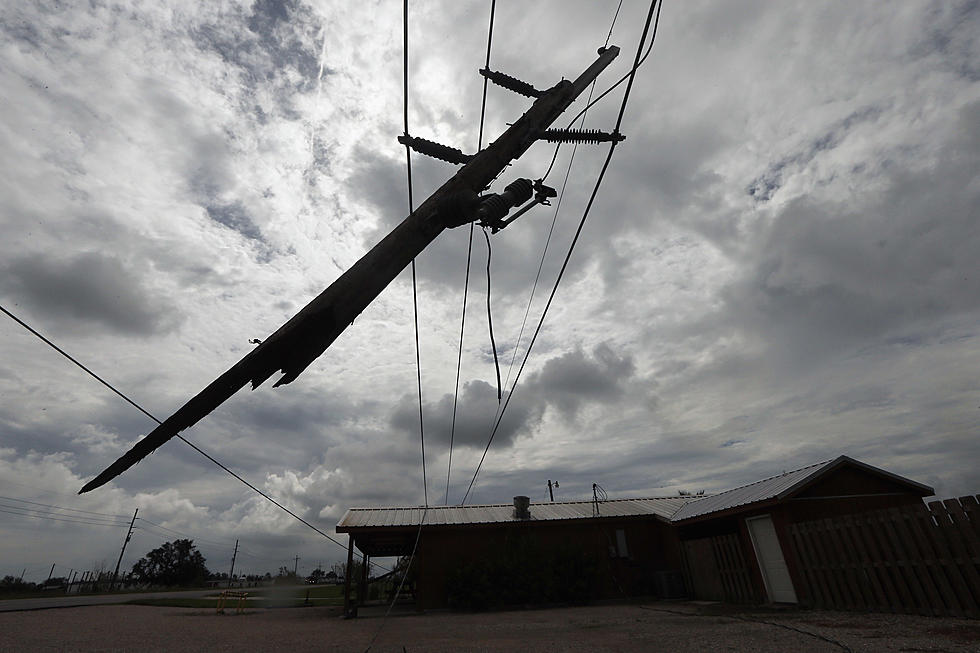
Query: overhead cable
<point>469,257</point>
<point>182,438</point>
<point>654,4</point>
<point>411,209</point>
<point>629,75</point>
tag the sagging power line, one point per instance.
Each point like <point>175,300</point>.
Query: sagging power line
<point>135,405</point>
<point>655,7</point>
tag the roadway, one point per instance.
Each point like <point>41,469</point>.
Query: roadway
<point>48,602</point>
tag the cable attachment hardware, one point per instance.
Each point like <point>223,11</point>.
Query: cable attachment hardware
<point>435,150</point>
<point>511,83</point>
<point>591,136</point>
<point>542,193</point>
<point>495,207</point>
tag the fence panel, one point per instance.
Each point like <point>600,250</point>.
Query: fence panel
<point>717,570</point>
<point>923,559</point>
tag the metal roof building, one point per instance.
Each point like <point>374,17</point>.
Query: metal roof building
<point>735,545</point>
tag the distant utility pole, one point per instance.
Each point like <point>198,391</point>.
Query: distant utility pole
<point>295,565</point>
<point>550,492</point>
<point>50,573</point>
<point>460,200</point>
<point>233,556</point>
<point>129,535</point>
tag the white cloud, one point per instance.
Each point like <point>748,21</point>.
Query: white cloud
<point>780,261</point>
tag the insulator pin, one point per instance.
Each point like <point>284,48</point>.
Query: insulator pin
<point>435,150</point>
<point>494,208</point>
<point>511,83</point>
<point>580,136</point>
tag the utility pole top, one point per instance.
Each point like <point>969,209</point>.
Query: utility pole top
<point>298,342</point>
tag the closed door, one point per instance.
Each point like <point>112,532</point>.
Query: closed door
<point>779,585</point>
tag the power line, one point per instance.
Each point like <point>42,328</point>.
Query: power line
<point>554,218</point>
<point>469,257</point>
<point>48,505</point>
<point>628,75</point>
<point>182,438</point>
<point>493,343</point>
<point>654,4</point>
<point>411,209</point>
<point>176,532</point>
<point>27,510</point>
<point>62,519</point>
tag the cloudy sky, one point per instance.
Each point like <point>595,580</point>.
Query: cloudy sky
<point>781,266</point>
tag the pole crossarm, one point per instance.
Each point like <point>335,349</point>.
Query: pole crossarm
<point>302,339</point>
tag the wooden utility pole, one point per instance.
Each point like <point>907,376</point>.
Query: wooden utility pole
<point>129,535</point>
<point>233,556</point>
<point>297,343</point>
<point>349,611</point>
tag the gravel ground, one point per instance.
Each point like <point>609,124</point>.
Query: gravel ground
<point>651,627</point>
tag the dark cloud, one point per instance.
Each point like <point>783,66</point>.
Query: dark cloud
<point>90,290</point>
<point>565,384</point>
<point>475,413</point>
<point>235,217</point>
<point>569,380</point>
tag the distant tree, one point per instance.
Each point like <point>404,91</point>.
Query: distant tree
<point>316,576</point>
<point>175,563</point>
<point>15,584</point>
<point>57,581</point>
<point>285,577</point>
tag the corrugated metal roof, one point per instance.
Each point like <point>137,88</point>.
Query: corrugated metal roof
<point>769,488</point>
<point>662,507</point>
<point>667,508</point>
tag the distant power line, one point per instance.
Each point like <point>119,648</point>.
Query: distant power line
<point>48,505</point>
<point>50,517</point>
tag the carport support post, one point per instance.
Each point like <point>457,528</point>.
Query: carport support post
<point>348,612</point>
<point>362,582</point>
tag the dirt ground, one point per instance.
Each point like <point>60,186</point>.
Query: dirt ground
<point>650,627</point>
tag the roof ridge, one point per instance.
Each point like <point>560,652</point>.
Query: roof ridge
<point>533,503</point>
<point>768,478</point>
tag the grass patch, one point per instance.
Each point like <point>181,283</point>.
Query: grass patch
<point>176,603</point>
<point>299,592</point>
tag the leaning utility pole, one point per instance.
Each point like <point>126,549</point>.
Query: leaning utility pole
<point>129,535</point>
<point>297,343</point>
<point>233,556</point>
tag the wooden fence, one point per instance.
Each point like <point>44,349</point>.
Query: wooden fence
<point>716,569</point>
<point>915,559</point>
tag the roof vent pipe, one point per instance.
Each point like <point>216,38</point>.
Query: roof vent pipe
<point>522,508</point>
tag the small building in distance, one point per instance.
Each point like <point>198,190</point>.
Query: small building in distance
<point>733,546</point>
